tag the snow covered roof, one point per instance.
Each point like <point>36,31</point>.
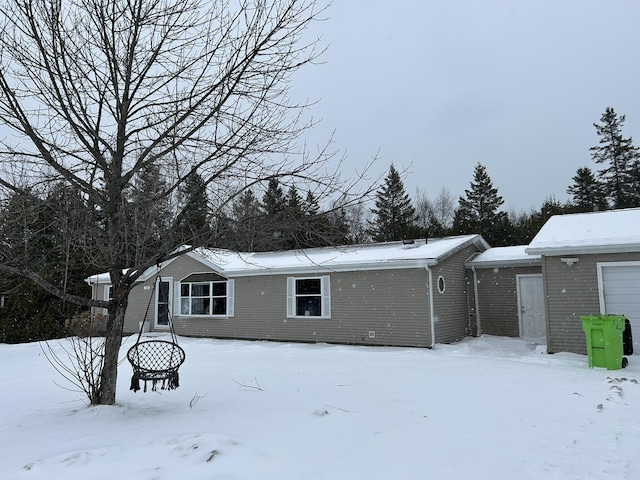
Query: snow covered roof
<point>505,257</point>
<point>372,256</point>
<point>353,257</point>
<point>612,231</point>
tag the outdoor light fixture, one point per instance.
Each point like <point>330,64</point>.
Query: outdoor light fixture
<point>569,260</point>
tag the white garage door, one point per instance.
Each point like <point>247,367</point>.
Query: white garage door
<point>620,293</point>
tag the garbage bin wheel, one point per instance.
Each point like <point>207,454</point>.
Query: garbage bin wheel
<point>625,362</point>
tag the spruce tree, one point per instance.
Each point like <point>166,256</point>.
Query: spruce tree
<point>587,192</point>
<point>620,159</point>
<point>45,231</point>
<point>478,211</point>
<point>320,228</point>
<point>273,206</point>
<point>150,212</point>
<point>526,226</point>
<point>395,216</point>
<point>293,223</point>
<point>194,206</point>
<point>273,201</point>
<point>245,223</point>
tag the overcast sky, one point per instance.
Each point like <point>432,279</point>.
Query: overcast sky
<point>437,86</point>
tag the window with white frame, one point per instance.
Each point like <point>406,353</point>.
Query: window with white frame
<point>206,295</point>
<point>309,297</point>
<point>108,295</point>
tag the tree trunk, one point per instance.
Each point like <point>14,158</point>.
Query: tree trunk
<point>113,341</point>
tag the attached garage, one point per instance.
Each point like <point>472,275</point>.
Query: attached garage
<point>620,290</point>
<point>590,266</point>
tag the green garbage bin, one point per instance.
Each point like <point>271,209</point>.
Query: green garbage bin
<point>604,340</point>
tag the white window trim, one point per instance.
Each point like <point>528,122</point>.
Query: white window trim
<point>105,295</point>
<point>444,284</point>
<point>230,300</point>
<point>325,295</point>
<point>170,297</point>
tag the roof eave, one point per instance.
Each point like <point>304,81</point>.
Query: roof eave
<point>534,262</point>
<point>343,267</point>
<point>584,250</point>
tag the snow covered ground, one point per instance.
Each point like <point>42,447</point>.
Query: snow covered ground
<point>486,408</point>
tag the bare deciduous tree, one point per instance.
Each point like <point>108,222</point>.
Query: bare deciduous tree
<point>95,93</point>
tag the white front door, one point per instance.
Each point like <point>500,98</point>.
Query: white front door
<point>533,325</point>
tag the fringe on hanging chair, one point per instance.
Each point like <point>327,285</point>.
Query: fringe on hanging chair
<point>170,382</point>
<point>135,382</point>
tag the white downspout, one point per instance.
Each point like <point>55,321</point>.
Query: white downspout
<point>432,318</point>
<point>475,298</point>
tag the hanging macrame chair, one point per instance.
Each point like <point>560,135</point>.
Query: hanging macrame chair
<point>156,361</point>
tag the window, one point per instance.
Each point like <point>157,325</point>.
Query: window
<point>108,295</point>
<point>308,297</point>
<point>442,285</point>
<point>205,298</point>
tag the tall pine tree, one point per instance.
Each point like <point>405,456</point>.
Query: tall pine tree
<point>620,159</point>
<point>273,207</point>
<point>150,212</point>
<point>478,211</point>
<point>395,216</point>
<point>245,223</point>
<point>587,192</point>
<point>194,224</point>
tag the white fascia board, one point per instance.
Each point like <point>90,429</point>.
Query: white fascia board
<point>153,271</point>
<point>319,269</point>
<point>534,262</point>
<point>199,258</point>
<point>583,249</point>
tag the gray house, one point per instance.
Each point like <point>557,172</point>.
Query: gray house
<point>590,266</point>
<point>508,298</point>
<point>397,293</point>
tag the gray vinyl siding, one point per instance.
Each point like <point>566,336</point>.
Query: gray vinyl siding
<point>570,293</point>
<point>391,303</point>
<point>139,298</point>
<point>452,308</point>
<point>372,307</point>
<point>498,299</point>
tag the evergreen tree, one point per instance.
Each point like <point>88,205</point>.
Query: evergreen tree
<point>621,159</point>
<point>293,201</point>
<point>478,211</point>
<point>587,192</point>
<point>395,216</point>
<point>45,232</point>
<point>245,223</point>
<point>527,226</point>
<point>193,221</point>
<point>150,212</point>
<point>293,223</point>
<point>321,228</point>
<point>273,201</point>
<point>273,206</point>
<point>310,204</point>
